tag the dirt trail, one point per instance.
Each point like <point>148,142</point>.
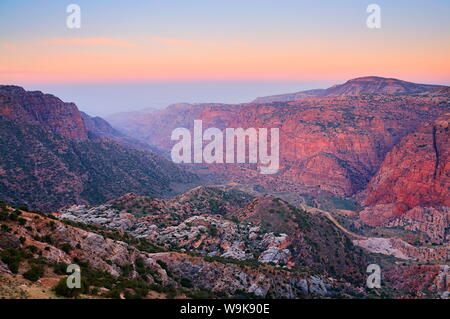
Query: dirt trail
<point>333,220</point>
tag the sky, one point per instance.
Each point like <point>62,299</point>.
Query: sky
<point>130,55</point>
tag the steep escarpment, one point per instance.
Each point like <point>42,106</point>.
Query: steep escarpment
<point>411,189</point>
<point>43,109</point>
<point>53,156</point>
<point>329,145</point>
<point>417,171</point>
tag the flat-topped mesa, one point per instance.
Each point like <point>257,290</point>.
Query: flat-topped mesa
<point>46,109</point>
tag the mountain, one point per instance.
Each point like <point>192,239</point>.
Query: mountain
<point>53,156</point>
<point>290,96</point>
<point>35,250</point>
<point>227,222</point>
<point>411,189</point>
<point>358,86</point>
<point>118,258</point>
<point>42,109</point>
<point>417,171</point>
<point>329,146</point>
<point>233,224</point>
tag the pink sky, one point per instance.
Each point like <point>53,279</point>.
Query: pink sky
<point>78,60</point>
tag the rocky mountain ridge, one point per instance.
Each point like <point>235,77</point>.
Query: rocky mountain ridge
<point>328,146</point>
<point>115,265</point>
<point>357,86</point>
<point>52,156</point>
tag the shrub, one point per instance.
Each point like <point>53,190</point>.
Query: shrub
<point>162,264</point>
<point>185,282</point>
<point>23,207</point>
<point>60,268</point>
<point>212,230</point>
<point>126,270</point>
<point>47,239</point>
<point>34,273</point>
<point>12,258</point>
<point>66,248</point>
<point>5,228</point>
<point>3,215</point>
<point>52,225</point>
<point>62,290</point>
<point>32,249</point>
<point>14,216</point>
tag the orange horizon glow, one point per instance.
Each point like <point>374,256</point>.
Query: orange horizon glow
<point>84,60</point>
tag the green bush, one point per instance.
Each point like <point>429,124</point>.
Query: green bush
<point>23,207</point>
<point>62,290</point>
<point>66,248</point>
<point>47,239</point>
<point>32,249</point>
<point>34,273</point>
<point>185,282</point>
<point>4,215</point>
<point>5,228</point>
<point>14,216</point>
<point>12,258</point>
<point>60,268</point>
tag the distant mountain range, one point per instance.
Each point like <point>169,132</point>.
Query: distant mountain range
<point>358,86</point>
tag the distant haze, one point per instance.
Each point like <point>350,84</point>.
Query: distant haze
<point>105,99</point>
<point>212,42</point>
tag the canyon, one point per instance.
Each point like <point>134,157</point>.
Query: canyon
<point>329,145</point>
<point>363,178</point>
<point>53,156</point>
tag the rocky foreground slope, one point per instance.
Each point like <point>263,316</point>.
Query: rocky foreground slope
<point>35,250</point>
<point>265,230</point>
<point>142,247</point>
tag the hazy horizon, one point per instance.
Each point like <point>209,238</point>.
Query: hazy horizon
<point>104,99</point>
<point>155,53</point>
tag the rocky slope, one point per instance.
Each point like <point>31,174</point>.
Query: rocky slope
<point>411,189</point>
<point>35,250</point>
<point>417,171</point>
<point>53,156</point>
<point>265,230</point>
<point>258,228</point>
<point>43,109</point>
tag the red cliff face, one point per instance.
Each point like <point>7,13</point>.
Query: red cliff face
<point>417,171</point>
<point>49,159</point>
<point>411,189</point>
<point>329,144</point>
<point>47,110</point>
